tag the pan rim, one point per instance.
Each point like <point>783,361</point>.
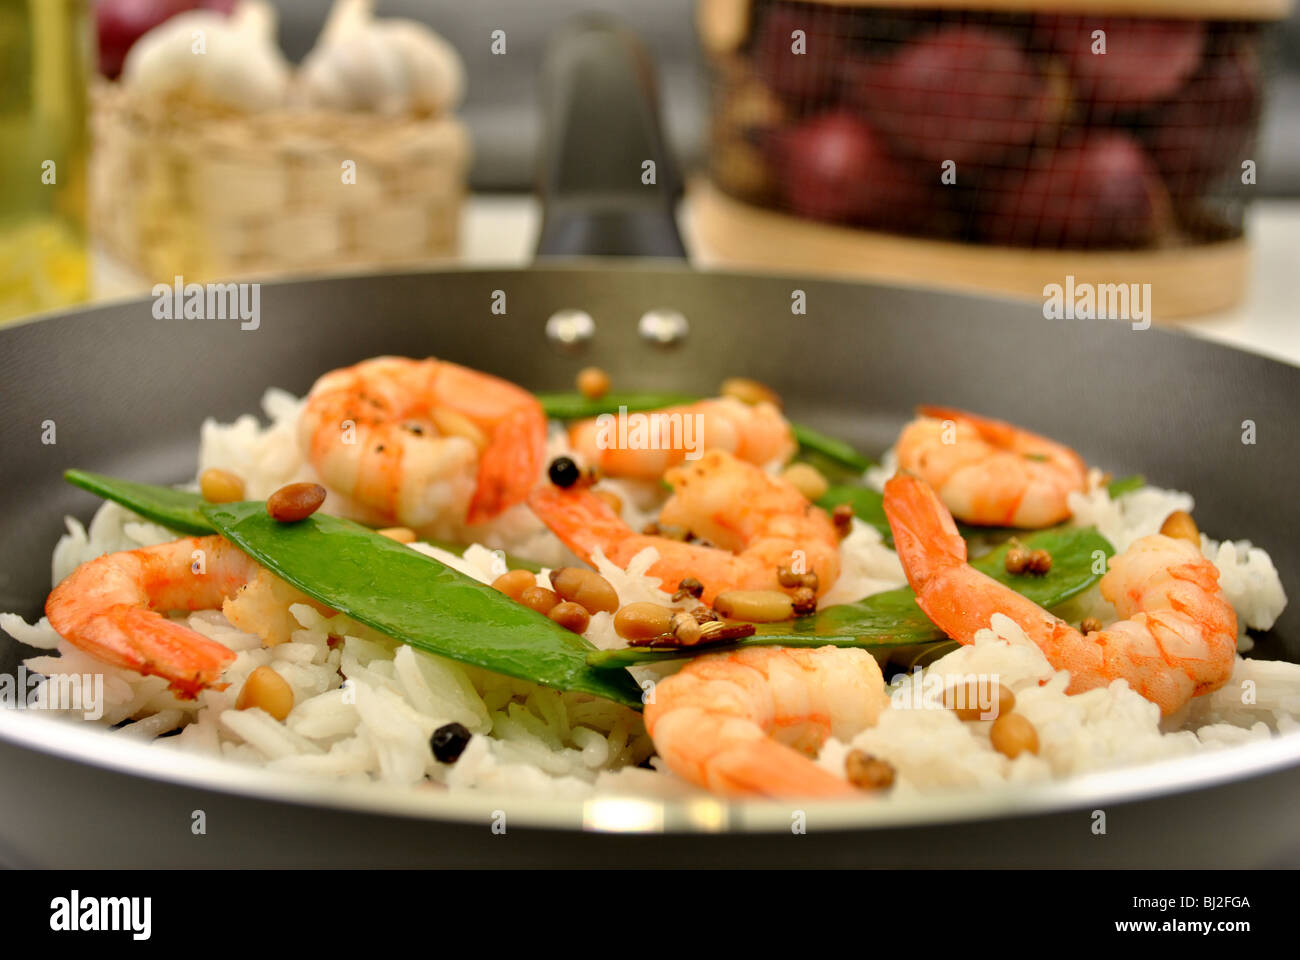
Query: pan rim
<point>97,748</point>
<point>626,814</point>
<point>641,265</point>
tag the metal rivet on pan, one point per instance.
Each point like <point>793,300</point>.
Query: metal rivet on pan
<point>570,328</point>
<point>665,328</point>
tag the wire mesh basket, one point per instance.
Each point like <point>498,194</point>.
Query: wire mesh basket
<point>1034,129</point>
<point>1032,125</point>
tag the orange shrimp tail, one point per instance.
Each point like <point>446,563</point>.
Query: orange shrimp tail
<point>510,464</point>
<point>583,521</point>
<point>139,639</point>
<point>764,767</point>
<point>957,598</point>
<point>925,536</point>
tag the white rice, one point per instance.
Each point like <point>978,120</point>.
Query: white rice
<point>365,706</point>
<point>930,748</point>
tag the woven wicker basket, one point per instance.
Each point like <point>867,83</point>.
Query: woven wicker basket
<point>185,188</point>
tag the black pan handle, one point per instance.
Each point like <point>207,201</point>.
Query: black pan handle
<point>600,129</point>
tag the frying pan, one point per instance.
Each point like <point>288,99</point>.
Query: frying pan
<point>127,393</point>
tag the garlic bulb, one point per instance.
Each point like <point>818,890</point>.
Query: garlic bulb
<point>387,66</point>
<point>230,60</point>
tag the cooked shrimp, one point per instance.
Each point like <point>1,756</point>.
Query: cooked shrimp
<point>756,433</point>
<point>745,722</point>
<point>419,441</point>
<point>757,523</point>
<point>1177,638</point>
<point>109,608</point>
<point>112,608</point>
<point>990,472</point>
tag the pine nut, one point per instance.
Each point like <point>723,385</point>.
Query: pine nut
<point>294,502</point>
<point>967,700</point>
<point>1012,735</point>
<point>514,582</point>
<point>1181,526</point>
<point>593,382</point>
<point>754,606</point>
<point>585,587</point>
<point>539,599</point>
<point>220,486</point>
<point>642,621</point>
<point>807,479</point>
<point>750,391</point>
<point>266,690</point>
<point>400,534</point>
<point>572,616</point>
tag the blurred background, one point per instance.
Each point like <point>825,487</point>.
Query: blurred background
<point>811,137</point>
<point>500,106</point>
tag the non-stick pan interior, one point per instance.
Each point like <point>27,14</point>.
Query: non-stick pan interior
<point>127,392</point>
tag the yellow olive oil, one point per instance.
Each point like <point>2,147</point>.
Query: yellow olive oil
<point>46,55</point>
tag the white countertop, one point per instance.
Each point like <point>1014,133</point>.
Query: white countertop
<point>501,230</point>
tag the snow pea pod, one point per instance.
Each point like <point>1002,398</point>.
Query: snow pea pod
<point>868,506</point>
<point>576,406</point>
<point>174,509</point>
<point>832,448</point>
<point>1117,488</point>
<point>892,618</point>
<point>179,509</point>
<point>417,600</point>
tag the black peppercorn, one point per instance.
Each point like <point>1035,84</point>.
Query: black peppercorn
<point>563,472</point>
<point>448,742</point>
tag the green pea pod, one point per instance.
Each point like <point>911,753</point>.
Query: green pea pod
<point>868,506</point>
<point>179,510</point>
<point>892,619</point>
<point>174,509</point>
<point>575,406</point>
<point>417,600</point>
<point>830,447</point>
<point>1117,488</point>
